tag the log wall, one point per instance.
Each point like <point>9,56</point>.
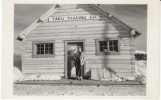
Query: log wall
<point>88,30</point>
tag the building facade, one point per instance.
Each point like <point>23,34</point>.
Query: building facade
<point>51,41</point>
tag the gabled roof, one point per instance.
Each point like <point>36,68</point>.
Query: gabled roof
<point>22,35</point>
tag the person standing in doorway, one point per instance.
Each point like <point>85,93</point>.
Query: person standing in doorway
<point>79,63</point>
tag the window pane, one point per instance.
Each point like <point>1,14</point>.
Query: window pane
<point>41,45</point>
<point>105,43</point>
<point>110,43</point>
<point>50,52</point>
<point>46,49</point>
<point>50,45</point>
<point>42,49</point>
<point>101,43</point>
<point>50,48</point>
<point>46,45</point>
<point>101,49</point>
<point>116,48</point>
<point>38,45</point>
<point>111,48</point>
<point>115,42</point>
<point>46,52</point>
<point>38,52</point>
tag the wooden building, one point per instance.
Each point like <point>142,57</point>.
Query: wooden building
<point>51,40</point>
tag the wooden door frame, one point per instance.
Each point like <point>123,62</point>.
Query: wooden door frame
<point>66,55</point>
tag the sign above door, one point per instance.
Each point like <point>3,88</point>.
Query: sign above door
<point>69,18</point>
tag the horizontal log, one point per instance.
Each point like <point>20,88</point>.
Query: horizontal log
<point>60,69</point>
<point>108,56</point>
<point>74,6</point>
<point>108,66</point>
<point>122,48</point>
<point>94,12</point>
<point>79,27</point>
<point>37,63</point>
<point>57,69</point>
<point>42,68</point>
<point>106,23</point>
<point>47,73</point>
<point>75,37</point>
<point>29,43</point>
<point>54,36</point>
<point>27,57</point>
<point>109,61</point>
<point>87,52</point>
<point>116,70</point>
<point>73,30</point>
<point>120,53</point>
<point>75,10</point>
<point>43,71</point>
<point>124,74</point>
<point>88,61</point>
<point>34,65</point>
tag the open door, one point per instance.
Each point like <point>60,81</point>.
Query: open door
<point>71,50</point>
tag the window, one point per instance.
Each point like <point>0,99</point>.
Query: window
<point>43,49</point>
<point>109,46</point>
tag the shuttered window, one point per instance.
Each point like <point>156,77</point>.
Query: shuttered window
<point>43,49</point>
<point>107,46</point>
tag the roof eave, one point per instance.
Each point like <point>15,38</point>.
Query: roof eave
<point>118,20</point>
<point>37,22</point>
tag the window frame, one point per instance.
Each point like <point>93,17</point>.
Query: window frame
<point>34,50</point>
<point>98,52</point>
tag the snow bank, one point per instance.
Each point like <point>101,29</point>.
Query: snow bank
<point>42,77</point>
<point>140,52</point>
<point>140,69</point>
<point>18,76</point>
<point>120,78</point>
<point>140,73</point>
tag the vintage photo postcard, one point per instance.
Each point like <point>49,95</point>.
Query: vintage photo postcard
<point>86,49</point>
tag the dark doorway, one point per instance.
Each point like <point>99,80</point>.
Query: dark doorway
<point>71,49</point>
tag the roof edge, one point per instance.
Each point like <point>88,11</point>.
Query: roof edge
<point>22,35</point>
<point>114,18</point>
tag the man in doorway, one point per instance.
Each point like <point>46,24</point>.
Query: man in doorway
<point>79,63</point>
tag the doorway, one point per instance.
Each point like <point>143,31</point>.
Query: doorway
<point>70,49</point>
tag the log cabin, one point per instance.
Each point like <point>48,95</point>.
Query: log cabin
<point>50,42</point>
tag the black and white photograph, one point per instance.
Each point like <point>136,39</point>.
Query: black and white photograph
<point>80,49</point>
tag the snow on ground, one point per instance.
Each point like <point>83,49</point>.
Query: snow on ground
<point>68,90</point>
<point>18,76</point>
<point>140,69</point>
<point>140,52</point>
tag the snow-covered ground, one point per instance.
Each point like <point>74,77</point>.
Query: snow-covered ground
<point>140,69</point>
<point>18,76</point>
<point>140,52</point>
<point>67,90</point>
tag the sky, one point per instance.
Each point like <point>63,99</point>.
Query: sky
<point>133,15</point>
